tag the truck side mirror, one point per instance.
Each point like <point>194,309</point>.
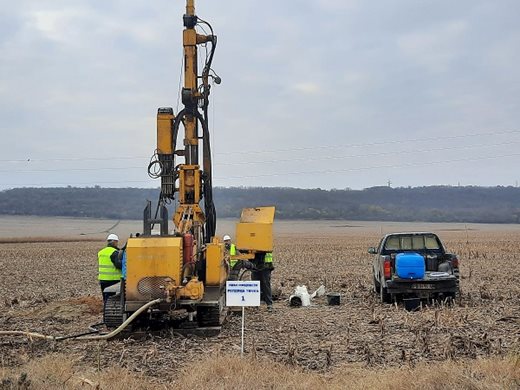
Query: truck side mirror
<point>372,250</point>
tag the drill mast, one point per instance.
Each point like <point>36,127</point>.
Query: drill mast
<point>192,183</point>
<point>185,272</point>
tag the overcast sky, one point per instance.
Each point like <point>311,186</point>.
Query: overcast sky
<point>314,93</point>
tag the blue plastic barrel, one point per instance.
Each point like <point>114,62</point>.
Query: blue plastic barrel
<point>410,266</point>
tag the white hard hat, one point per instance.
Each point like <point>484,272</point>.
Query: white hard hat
<point>226,237</point>
<point>112,237</point>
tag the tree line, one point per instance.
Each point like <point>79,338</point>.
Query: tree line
<point>428,204</point>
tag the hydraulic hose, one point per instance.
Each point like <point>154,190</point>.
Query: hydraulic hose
<point>211,224</point>
<point>175,126</point>
<point>121,327</point>
<point>107,336</point>
<point>209,206</point>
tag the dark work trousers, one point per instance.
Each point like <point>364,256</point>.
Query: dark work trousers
<point>104,284</point>
<point>234,272</point>
<point>264,277</point>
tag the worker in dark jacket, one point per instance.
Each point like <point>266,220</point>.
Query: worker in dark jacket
<point>109,264</point>
<point>263,266</point>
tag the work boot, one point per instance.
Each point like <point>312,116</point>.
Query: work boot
<point>270,308</point>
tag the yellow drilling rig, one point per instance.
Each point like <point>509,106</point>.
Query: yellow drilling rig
<point>184,271</point>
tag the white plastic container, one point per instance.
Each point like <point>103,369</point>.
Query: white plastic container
<point>301,295</point>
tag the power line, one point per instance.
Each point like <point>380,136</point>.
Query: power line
<point>28,160</point>
<point>72,169</point>
<point>436,162</point>
<point>345,146</point>
<point>371,143</point>
<point>75,184</point>
<point>391,152</point>
<point>326,171</point>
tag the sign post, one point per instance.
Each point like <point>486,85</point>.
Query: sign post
<point>242,294</point>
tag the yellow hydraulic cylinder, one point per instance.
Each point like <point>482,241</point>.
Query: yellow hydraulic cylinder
<point>189,184</point>
<point>165,119</point>
<point>190,7</point>
<point>191,140</point>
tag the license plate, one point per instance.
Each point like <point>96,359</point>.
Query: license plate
<point>423,286</point>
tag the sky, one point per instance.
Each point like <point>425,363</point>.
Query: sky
<point>314,93</point>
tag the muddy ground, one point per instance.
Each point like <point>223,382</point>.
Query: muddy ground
<point>51,288</point>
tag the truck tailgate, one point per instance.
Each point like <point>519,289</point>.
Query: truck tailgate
<point>446,284</point>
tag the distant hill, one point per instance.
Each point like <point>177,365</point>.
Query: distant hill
<point>432,204</point>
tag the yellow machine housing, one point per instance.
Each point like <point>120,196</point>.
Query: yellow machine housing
<point>154,269</point>
<point>216,265</point>
<point>164,133</point>
<point>255,229</point>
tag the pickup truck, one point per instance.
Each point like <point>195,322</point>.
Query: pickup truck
<point>439,277</point>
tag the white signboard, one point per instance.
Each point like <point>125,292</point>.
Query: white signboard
<point>243,293</point>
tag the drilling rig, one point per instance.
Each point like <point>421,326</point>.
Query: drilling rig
<point>184,270</point>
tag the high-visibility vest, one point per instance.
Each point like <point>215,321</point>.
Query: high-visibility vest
<point>268,259</point>
<point>232,252</point>
<point>107,270</point>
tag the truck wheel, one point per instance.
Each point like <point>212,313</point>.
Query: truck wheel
<point>384,297</point>
<point>450,297</point>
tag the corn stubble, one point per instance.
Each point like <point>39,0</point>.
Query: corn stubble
<point>473,343</point>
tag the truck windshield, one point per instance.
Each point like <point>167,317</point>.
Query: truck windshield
<point>412,242</point>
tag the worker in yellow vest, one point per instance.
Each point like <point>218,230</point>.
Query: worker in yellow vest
<point>109,265</point>
<point>263,266</point>
<point>235,266</point>
<point>231,250</point>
